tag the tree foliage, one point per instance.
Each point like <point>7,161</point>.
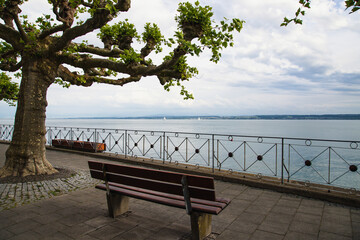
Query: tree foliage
<point>352,5</point>
<point>53,36</point>
<point>8,90</point>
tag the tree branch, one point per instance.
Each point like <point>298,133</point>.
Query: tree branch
<point>20,28</point>
<point>10,67</point>
<point>48,32</point>
<point>71,77</point>
<point>11,36</point>
<point>98,51</point>
<point>87,80</point>
<point>100,18</point>
<point>178,53</point>
<point>85,62</point>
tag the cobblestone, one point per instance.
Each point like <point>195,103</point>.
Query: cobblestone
<point>13,195</point>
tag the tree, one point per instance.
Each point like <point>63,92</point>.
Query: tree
<point>44,51</point>
<point>353,5</point>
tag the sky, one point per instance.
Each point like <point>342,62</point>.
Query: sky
<point>312,68</point>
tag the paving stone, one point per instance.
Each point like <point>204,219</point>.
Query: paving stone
<point>336,228</point>
<point>304,227</point>
<point>331,236</point>
<point>99,221</point>
<point>293,203</point>
<point>48,218</point>
<point>72,220</point>
<point>261,235</point>
<point>279,217</point>
<point>218,227</point>
<point>47,230</point>
<point>310,210</point>
<point>243,226</point>
<point>106,232</point>
<point>309,218</point>
<point>258,209</point>
<point>237,206</point>
<point>23,226</point>
<point>231,234</point>
<point>60,236</point>
<point>228,218</point>
<point>274,227</point>
<point>171,232</point>
<point>299,236</point>
<point>284,210</point>
<point>264,202</point>
<point>336,218</point>
<point>312,203</point>
<point>336,209</point>
<point>78,230</point>
<point>29,235</point>
<point>251,217</point>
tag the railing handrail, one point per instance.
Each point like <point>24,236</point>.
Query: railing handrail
<point>215,134</point>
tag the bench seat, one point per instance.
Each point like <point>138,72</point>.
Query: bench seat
<point>198,205</point>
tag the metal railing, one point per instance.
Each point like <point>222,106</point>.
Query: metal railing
<point>320,161</point>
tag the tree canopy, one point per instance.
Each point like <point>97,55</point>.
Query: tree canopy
<point>55,34</point>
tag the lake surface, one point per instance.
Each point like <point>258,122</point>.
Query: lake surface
<point>318,129</point>
<point>323,129</point>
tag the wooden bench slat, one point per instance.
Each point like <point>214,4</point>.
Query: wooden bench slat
<point>215,203</point>
<point>163,200</point>
<point>197,181</point>
<point>172,188</point>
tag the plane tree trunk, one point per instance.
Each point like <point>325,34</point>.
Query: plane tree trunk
<point>26,153</point>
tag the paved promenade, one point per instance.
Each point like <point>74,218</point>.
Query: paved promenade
<point>73,209</point>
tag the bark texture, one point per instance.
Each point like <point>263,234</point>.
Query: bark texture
<point>26,153</point>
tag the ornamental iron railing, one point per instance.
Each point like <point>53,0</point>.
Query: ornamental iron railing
<point>320,161</point>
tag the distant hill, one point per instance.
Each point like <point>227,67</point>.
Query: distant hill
<point>254,117</point>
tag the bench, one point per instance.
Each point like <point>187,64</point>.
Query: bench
<point>79,145</point>
<point>195,194</point>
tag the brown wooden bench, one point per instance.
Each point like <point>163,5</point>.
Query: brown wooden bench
<point>79,145</point>
<point>194,193</point>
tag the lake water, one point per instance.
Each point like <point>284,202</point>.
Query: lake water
<point>238,145</point>
<point>321,129</point>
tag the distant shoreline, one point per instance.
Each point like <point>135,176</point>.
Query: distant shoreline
<point>254,117</point>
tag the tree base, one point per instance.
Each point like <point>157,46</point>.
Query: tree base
<point>27,171</point>
<point>21,163</point>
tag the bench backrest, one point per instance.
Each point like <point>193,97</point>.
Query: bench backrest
<point>156,180</point>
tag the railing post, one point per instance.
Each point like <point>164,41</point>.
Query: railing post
<point>186,151</point>
<point>213,153</point>
<point>126,144</point>
<point>329,165</point>
<point>282,160</point>
<point>143,153</point>
<point>164,147</point>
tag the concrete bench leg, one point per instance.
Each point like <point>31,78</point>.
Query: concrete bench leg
<point>117,204</point>
<point>200,225</point>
